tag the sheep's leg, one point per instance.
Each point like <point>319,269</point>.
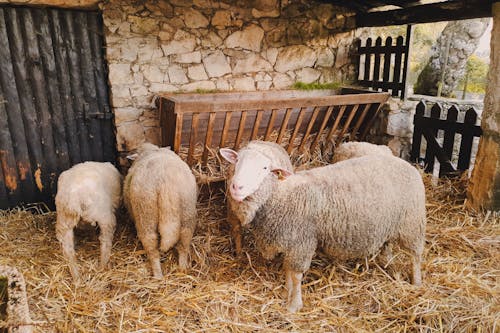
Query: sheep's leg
<point>416,271</point>
<point>150,243</point>
<point>107,230</point>
<point>235,231</point>
<point>295,302</point>
<point>288,284</point>
<point>183,248</point>
<point>66,238</point>
<point>385,255</point>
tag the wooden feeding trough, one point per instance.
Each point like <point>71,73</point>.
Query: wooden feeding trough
<point>196,125</point>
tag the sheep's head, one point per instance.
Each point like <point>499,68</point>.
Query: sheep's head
<point>250,169</point>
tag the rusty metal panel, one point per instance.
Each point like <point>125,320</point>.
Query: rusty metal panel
<point>54,103</point>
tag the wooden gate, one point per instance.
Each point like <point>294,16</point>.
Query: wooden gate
<point>384,67</point>
<point>54,105</point>
<point>450,149</point>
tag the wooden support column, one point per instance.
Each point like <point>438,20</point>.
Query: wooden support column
<point>484,188</point>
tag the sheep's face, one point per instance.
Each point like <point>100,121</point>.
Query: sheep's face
<point>251,168</point>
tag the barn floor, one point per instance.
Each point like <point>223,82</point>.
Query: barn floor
<point>460,293</point>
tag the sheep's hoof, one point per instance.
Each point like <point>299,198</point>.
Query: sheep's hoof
<point>293,307</point>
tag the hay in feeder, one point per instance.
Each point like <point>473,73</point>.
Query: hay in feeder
<point>220,293</point>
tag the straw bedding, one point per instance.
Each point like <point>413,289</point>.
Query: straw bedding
<point>460,291</point>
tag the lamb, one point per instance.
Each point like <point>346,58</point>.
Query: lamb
<point>350,210</point>
<point>278,158</point>
<point>160,193</point>
<point>89,192</point>
<point>350,150</point>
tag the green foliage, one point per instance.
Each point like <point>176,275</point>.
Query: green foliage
<point>476,76</point>
<point>206,91</point>
<point>312,86</point>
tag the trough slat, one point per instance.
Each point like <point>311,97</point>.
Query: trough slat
<point>360,120</point>
<point>284,125</point>
<point>178,133</point>
<point>192,140</point>
<point>270,125</point>
<point>296,130</point>
<point>225,129</point>
<point>241,129</point>
<point>344,129</point>
<point>309,128</point>
<point>326,118</point>
<point>208,137</point>
<point>335,125</point>
<point>255,129</point>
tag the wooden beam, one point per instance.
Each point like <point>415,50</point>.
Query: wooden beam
<point>435,12</point>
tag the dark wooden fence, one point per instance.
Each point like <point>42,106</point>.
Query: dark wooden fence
<point>54,104</point>
<point>429,127</point>
<point>384,67</point>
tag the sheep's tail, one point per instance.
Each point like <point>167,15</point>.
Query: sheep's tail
<point>169,221</point>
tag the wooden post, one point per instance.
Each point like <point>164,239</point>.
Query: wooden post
<point>406,67</point>
<point>484,188</point>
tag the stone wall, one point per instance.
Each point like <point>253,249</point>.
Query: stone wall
<point>190,45</point>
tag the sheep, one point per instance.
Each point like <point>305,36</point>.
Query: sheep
<point>350,210</point>
<point>88,192</point>
<point>160,194</point>
<point>279,158</point>
<point>350,150</point>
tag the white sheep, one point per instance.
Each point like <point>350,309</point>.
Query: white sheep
<point>351,209</point>
<point>353,149</point>
<point>278,158</point>
<point>89,192</point>
<point>160,194</point>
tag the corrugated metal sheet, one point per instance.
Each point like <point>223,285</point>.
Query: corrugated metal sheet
<point>54,105</point>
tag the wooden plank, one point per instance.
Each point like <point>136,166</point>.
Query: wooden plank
<point>433,146</point>
<point>309,128</point>
<point>241,129</point>
<point>284,125</point>
<point>208,137</point>
<point>108,137</point>
<point>387,62</point>
<point>431,151</point>
<point>178,133</point>
<point>89,89</point>
<point>368,61</point>
<point>367,125</point>
<point>57,123</point>
<point>225,129</point>
<point>255,129</point>
<point>376,63</point>
<point>406,63</point>
<point>335,124</point>
<point>467,140</point>
<point>326,117</point>
<point>15,146</point>
<point>360,120</point>
<point>344,129</point>
<point>63,77</point>
<point>426,13</point>
<point>397,65</point>
<point>417,132</point>
<point>72,49</point>
<point>193,138</point>
<point>449,140</point>
<point>270,125</point>
<point>39,83</point>
<point>296,130</point>
<point>279,103</point>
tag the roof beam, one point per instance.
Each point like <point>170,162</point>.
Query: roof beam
<point>435,12</point>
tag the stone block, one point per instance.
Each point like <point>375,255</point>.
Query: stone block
<point>129,136</point>
<point>123,115</point>
<point>307,75</point>
<point>188,58</point>
<point>243,84</point>
<point>282,81</point>
<point>183,42</point>
<point>295,57</point>
<point>221,19</point>
<point>197,72</point>
<point>199,85</point>
<point>249,38</point>
<point>253,63</point>
<point>194,19</point>
<point>177,75</point>
<point>216,64</point>
<point>120,74</point>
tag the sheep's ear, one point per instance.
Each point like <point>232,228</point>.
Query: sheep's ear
<point>132,157</point>
<point>281,173</point>
<point>229,155</point>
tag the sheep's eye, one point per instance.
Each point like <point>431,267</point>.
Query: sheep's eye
<point>265,168</point>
